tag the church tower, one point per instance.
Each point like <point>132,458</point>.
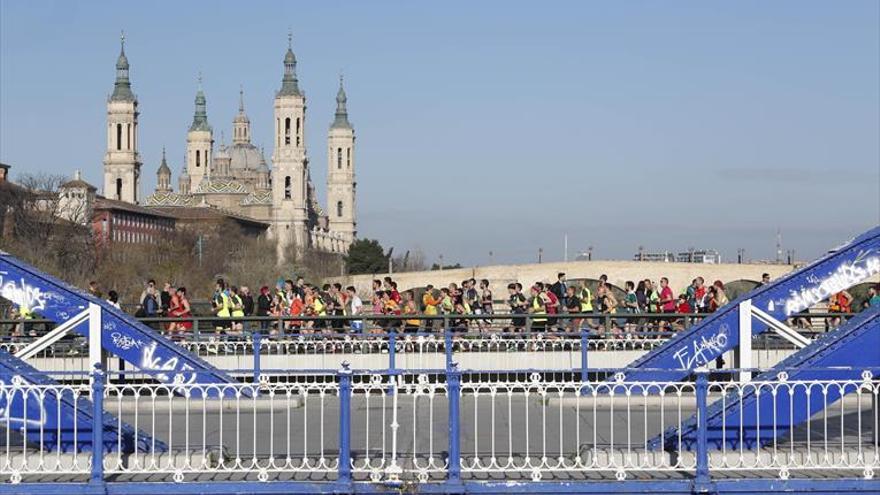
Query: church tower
<point>289,161</point>
<point>122,166</point>
<point>199,142</point>
<point>340,172</point>
<point>163,175</point>
<point>241,124</point>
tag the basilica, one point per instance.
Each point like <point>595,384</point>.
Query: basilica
<point>237,177</point>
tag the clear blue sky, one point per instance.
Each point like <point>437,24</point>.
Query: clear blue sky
<point>498,125</point>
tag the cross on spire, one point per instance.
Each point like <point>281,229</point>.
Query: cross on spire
<point>289,38</point>
<point>122,38</point>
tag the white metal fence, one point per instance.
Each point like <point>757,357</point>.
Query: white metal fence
<point>397,428</point>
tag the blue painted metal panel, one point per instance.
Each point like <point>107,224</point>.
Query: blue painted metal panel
<point>122,335</point>
<point>839,355</point>
<point>845,267</point>
<point>47,420</point>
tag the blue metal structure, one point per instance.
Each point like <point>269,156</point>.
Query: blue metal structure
<point>60,420</point>
<point>122,335</point>
<point>842,268</point>
<point>754,419</point>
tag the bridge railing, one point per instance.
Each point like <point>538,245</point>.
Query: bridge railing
<point>444,426</point>
<point>388,343</point>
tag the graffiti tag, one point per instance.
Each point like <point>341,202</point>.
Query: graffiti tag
<point>22,294</point>
<point>150,361</point>
<point>125,342</point>
<point>700,351</point>
<point>845,276</point>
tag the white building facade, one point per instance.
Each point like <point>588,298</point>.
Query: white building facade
<point>236,177</point>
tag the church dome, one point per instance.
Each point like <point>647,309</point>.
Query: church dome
<point>244,156</point>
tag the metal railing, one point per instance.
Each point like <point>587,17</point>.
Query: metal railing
<point>439,426</point>
<point>388,344</point>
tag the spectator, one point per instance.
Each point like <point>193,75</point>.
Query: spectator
<point>264,306</point>
<point>765,279</point>
<point>149,303</point>
<point>165,297</point>
<point>113,299</point>
<point>300,288</point>
<point>719,296</point>
<point>642,297</point>
<point>94,291</point>
<point>247,300</point>
<point>873,299</point>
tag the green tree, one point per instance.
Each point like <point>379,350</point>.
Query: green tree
<point>366,256</point>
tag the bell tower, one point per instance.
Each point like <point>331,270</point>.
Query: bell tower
<point>289,160</point>
<point>122,165</point>
<point>340,172</point>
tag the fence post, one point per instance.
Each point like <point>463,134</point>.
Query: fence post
<point>97,474</point>
<point>257,338</point>
<point>453,389</point>
<point>447,338</point>
<point>344,423</point>
<point>701,481</point>
<point>392,350</point>
<point>585,336</point>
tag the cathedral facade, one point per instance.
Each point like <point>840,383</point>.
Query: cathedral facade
<point>236,177</point>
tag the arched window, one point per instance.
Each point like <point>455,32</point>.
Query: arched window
<point>118,136</point>
<point>348,157</point>
<point>198,158</point>
<point>128,136</point>
<point>297,131</point>
<point>287,187</point>
<point>287,130</point>
<point>339,158</point>
<point>339,208</point>
<point>119,189</point>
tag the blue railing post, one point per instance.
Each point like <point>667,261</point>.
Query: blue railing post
<point>702,392</point>
<point>257,338</point>
<point>344,424</point>
<point>447,343</point>
<point>453,389</point>
<point>97,474</point>
<point>585,337</point>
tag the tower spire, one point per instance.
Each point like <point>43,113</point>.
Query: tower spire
<point>200,117</point>
<point>341,120</point>
<point>289,83</point>
<point>240,98</point>
<point>122,86</point>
